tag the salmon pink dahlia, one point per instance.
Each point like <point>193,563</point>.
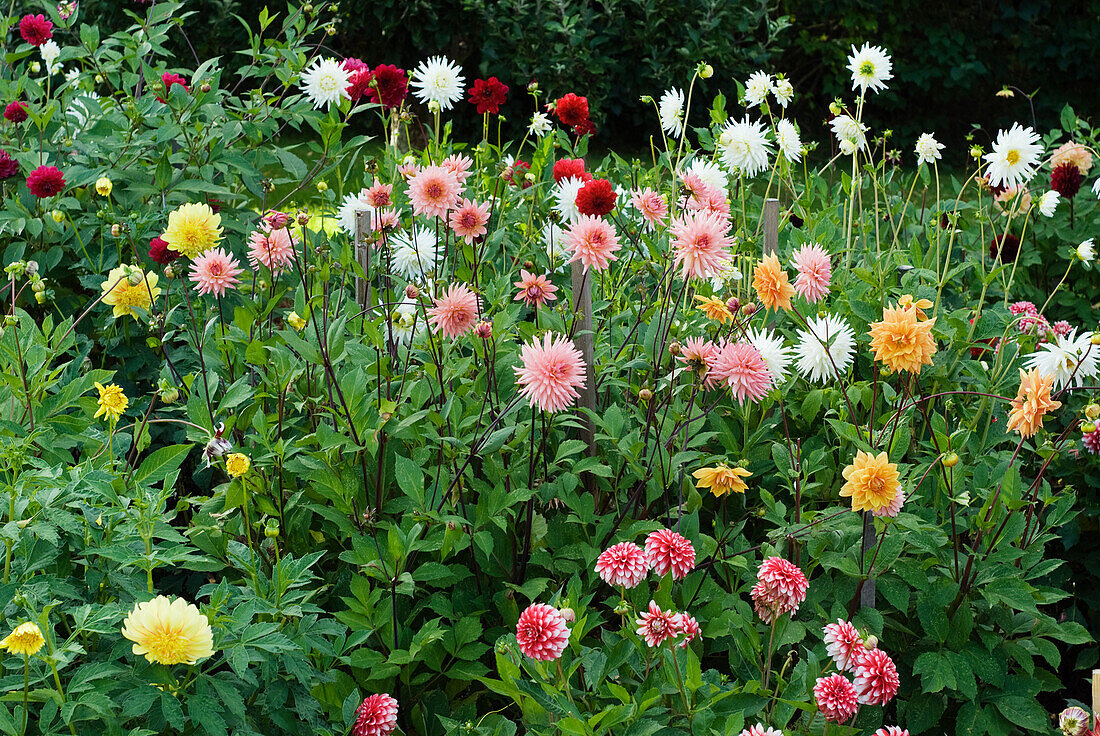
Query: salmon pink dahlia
<point>541,632</point>
<point>455,312</point>
<point>835,697</point>
<point>780,588</point>
<point>622,564</point>
<point>468,220</point>
<point>46,181</point>
<point>215,271</point>
<point>814,272</point>
<point>535,289</point>
<point>743,369</point>
<point>597,197</point>
<point>844,644</point>
<point>379,195</point>
<point>701,245</point>
<point>433,191</point>
<point>667,551</point>
<point>376,716</point>
<point>593,242</point>
<point>552,372</point>
<point>273,248</point>
<point>651,204</point>
<point>657,626</point>
<point>877,679</point>
<point>459,165</point>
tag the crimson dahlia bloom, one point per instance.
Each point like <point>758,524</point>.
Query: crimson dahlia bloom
<point>597,197</point>
<point>160,252</point>
<point>35,29</point>
<point>359,83</point>
<point>170,78</point>
<point>487,95</point>
<point>570,167</point>
<point>571,109</point>
<point>16,111</point>
<point>389,86</point>
<point>1066,180</point>
<point>46,181</point>
<point>585,127</point>
<point>8,166</point>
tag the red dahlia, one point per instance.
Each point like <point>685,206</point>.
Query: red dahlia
<point>46,181</point>
<point>16,111</point>
<point>359,83</point>
<point>161,253</point>
<point>168,79</point>
<point>1066,180</point>
<point>596,197</point>
<point>571,109</point>
<point>487,95</point>
<point>35,29</point>
<point>1008,249</point>
<point>585,127</point>
<point>570,167</point>
<point>8,166</point>
<point>389,86</point>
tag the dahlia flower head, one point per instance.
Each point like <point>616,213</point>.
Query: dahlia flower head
<point>657,626</point>
<point>835,696</point>
<point>454,311</point>
<point>1073,721</point>
<point>780,588</point>
<point>551,372</point>
<point>376,716</point>
<point>623,564</point>
<point>844,644</point>
<point>542,632</point>
<point>667,552</point>
<point>760,730</point>
<point>876,678</point>
<point>743,369</point>
<point>815,271</point>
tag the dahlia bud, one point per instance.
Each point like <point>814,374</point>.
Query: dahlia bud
<point>38,285</point>
<point>1095,339</point>
<point>502,646</point>
<point>103,186</point>
<point>169,395</point>
<point>704,70</point>
<point>434,107</point>
<point>116,230</point>
<point>950,460</point>
<point>411,292</point>
<point>272,529</point>
<point>136,277</point>
<point>322,187</point>
<point>169,272</point>
<point>99,79</point>
<point>975,152</point>
<point>205,87</point>
<point>749,309</point>
<point>645,395</point>
<point>568,614</point>
<point>622,608</point>
<point>1092,411</point>
<point>303,218</point>
<point>32,267</point>
<point>295,321</point>
<point>871,642</point>
<point>1088,427</point>
<point>41,297</point>
<point>484,330</point>
<point>733,304</point>
<point>674,348</point>
<point>834,107</point>
<point>35,67</point>
<point>57,215</point>
<point>533,86</point>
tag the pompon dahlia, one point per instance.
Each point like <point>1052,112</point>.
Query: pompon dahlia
<point>892,731</point>
<point>1032,402</point>
<point>433,191</point>
<point>376,716</point>
<point>454,312</point>
<point>570,167</point>
<point>542,632</point>
<point>902,341</point>
<point>622,564</point>
<point>551,373</point>
<point>1066,180</point>
<point>657,626</point>
<point>668,551</point>
<point>571,109</point>
<point>836,698</point>
<point>35,29</point>
<point>16,111</point>
<point>593,241</point>
<point>8,165</point>
<point>843,643</point>
<point>815,271</point>
<point>597,197</point>
<point>877,679</point>
<point>688,626</point>
<point>1091,441</point>
<point>487,95</point>
<point>760,730</point>
<point>701,244</point>
<point>46,181</point>
<point>780,588</point>
<point>871,481</point>
<point>389,86</point>
<point>743,369</point>
<point>770,281</point>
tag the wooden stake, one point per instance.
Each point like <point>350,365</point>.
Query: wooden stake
<point>771,226</point>
<point>1096,699</point>
<point>584,340</point>
<point>363,227</point>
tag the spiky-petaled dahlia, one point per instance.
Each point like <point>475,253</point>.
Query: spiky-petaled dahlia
<point>742,367</point>
<point>689,627</point>
<point>780,588</point>
<point>835,697</point>
<point>877,679</point>
<point>760,730</point>
<point>657,626</point>
<point>843,643</point>
<point>622,564</point>
<point>376,716</point>
<point>541,632</point>
<point>1066,180</point>
<point>1073,721</point>
<point>666,550</point>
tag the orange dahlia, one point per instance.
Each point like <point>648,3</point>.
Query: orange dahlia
<point>902,341</point>
<point>872,481</point>
<point>1031,403</point>
<point>770,281</point>
<point>715,309</point>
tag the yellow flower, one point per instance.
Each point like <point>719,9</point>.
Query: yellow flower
<point>1031,403</point>
<point>721,479</point>
<point>237,464</point>
<point>169,631</point>
<point>715,309</point>
<point>907,302</point>
<point>901,341</point>
<point>193,229</point>
<point>112,402</point>
<point>26,640</point>
<point>872,481</point>
<point>295,321</point>
<point>103,186</point>
<point>127,287</point>
<point>770,281</point>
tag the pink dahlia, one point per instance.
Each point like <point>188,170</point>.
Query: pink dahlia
<point>844,644</point>
<point>376,716</point>
<point>815,271</point>
<point>468,220</point>
<point>593,242</point>
<point>16,111</point>
<point>836,698</point>
<point>273,248</point>
<point>668,551</point>
<point>891,509</point>
<point>278,220</point>
<point>433,191</point>
<point>760,730</point>
<point>385,219</point>
<point>552,372</point>
<point>877,679</point>
<point>698,353</point>
<point>657,626</point>
<point>710,200</point>
<point>359,78</point>
<point>650,203</point>
<point>379,195</point>
<point>622,564</point>
<point>35,29</point>
<point>541,632</point>
<point>780,588</point>
<point>1091,441</point>
<point>892,731</point>
<point>170,78</point>
<point>694,184</point>
<point>455,312</point>
<point>459,165</point>
<point>215,271</point>
<point>46,181</point>
<point>688,626</point>
<point>700,243</point>
<point>535,289</point>
<point>744,370</point>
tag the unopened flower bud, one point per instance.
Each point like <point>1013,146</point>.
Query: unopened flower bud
<point>103,186</point>
<point>834,107</point>
<point>205,87</point>
<point>484,330</point>
<point>41,297</point>
<point>645,395</point>
<point>622,608</point>
<point>116,230</point>
<point>950,460</point>
<point>322,187</point>
<point>733,304</point>
<point>411,292</point>
<point>170,395</point>
<point>706,71</point>
<point>1088,427</point>
<point>871,642</point>
<point>1092,411</point>
<point>568,614</point>
<point>674,348</point>
<point>295,321</point>
<point>749,309</point>
<point>57,215</point>
<point>303,218</point>
<point>1095,339</point>
<point>271,531</point>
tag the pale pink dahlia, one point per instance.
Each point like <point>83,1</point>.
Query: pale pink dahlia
<point>215,271</point>
<point>877,679</point>
<point>542,632</point>
<point>459,165</point>
<point>433,191</point>
<point>1073,721</point>
<point>891,509</point>
<point>651,204</point>
<point>710,200</point>
<point>535,289</point>
<point>835,697</point>
<point>700,244</point>
<point>844,644</point>
<point>552,372</point>
<point>593,242</point>
<point>760,730</point>
<point>376,716</point>
<point>668,551</point>
<point>815,271</point>
<point>744,370</point>
<point>273,248</point>
<point>468,220</point>
<point>780,588</point>
<point>622,564</point>
<point>688,626</point>
<point>698,353</point>
<point>385,219</point>
<point>455,312</point>
<point>694,184</point>
<point>379,196</point>
<point>657,626</point>
<point>892,731</point>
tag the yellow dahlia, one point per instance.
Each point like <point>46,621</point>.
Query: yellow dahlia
<point>721,479</point>
<point>872,481</point>
<point>169,631</point>
<point>26,640</point>
<point>237,464</point>
<point>112,402</point>
<point>193,229</point>
<point>770,281</point>
<point>715,309</point>
<point>902,341</point>
<point>1031,403</point>
<point>907,302</point>
<point>127,287</point>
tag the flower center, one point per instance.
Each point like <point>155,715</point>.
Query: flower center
<point>867,68</point>
<point>1012,157</point>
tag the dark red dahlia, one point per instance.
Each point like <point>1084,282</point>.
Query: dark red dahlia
<point>16,111</point>
<point>168,79</point>
<point>596,197</point>
<point>487,95</point>
<point>46,181</point>
<point>585,127</point>
<point>359,83</point>
<point>389,86</point>
<point>571,110</point>
<point>214,204</point>
<point>8,166</point>
<point>944,222</point>
<point>1008,248</point>
<point>160,252</point>
<point>1066,180</point>
<point>570,167</point>
<point>35,29</point>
